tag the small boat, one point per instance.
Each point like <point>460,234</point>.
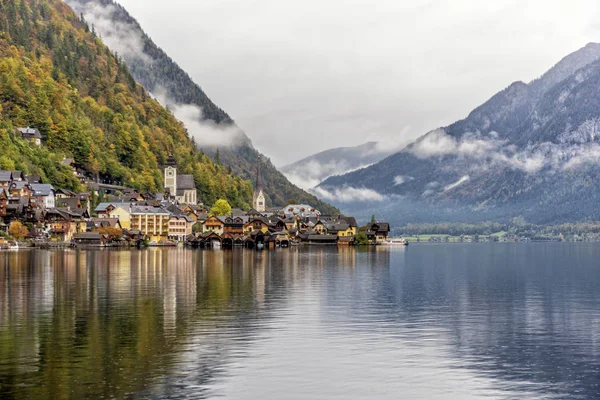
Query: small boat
<point>12,246</point>
<point>395,242</point>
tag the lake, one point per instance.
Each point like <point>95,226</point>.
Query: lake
<point>448,321</point>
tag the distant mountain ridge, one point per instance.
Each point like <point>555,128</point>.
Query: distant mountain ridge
<point>531,151</point>
<point>311,171</point>
<point>213,129</point>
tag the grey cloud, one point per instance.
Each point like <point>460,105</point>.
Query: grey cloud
<point>388,73</point>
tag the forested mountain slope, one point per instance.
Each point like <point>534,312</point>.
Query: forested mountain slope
<point>211,127</point>
<point>532,151</point>
<point>57,76</point>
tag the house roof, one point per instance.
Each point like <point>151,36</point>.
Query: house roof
<point>300,209</point>
<point>381,226</point>
<point>88,236</point>
<point>34,179</point>
<point>100,222</point>
<point>337,227</point>
<point>41,189</point>
<point>350,221</point>
<point>185,182</point>
<point>149,210</point>
<point>103,206</point>
<point>30,132</point>
<point>322,238</point>
<point>68,161</point>
<point>5,176</point>
<point>18,185</point>
<point>69,202</point>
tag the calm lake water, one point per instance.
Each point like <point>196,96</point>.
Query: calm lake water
<point>506,321</point>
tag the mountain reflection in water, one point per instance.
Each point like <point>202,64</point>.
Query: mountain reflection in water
<point>443,321</point>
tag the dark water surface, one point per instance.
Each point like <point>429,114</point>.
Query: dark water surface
<point>506,321</point>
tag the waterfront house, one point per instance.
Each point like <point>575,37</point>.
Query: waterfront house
<point>322,239</point>
<point>254,225</point>
<point>213,224</point>
<point>180,226</point>
<point>121,211</point>
<point>153,222</point>
<point>319,227</point>
<point>93,239</point>
<point>234,226</point>
<point>340,229</point>
<point>377,232</point>
<point>63,224</point>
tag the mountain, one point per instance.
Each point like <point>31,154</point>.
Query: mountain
<point>212,129</point>
<point>531,151</point>
<point>310,171</point>
<point>56,75</point>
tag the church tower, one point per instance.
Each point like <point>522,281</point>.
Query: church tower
<point>171,175</point>
<point>258,200</point>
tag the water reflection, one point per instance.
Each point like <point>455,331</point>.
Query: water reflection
<point>447,321</point>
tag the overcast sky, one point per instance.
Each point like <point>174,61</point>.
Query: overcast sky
<point>304,76</point>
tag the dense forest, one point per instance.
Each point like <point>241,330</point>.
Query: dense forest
<point>56,75</point>
<point>157,71</point>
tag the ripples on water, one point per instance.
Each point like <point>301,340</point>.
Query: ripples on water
<point>443,321</point>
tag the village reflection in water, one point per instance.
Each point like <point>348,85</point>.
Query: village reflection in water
<point>103,324</point>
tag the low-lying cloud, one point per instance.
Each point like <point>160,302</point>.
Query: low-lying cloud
<point>123,38</point>
<point>348,195</point>
<point>204,131</point>
<point>482,153</point>
<point>126,39</point>
<point>312,173</point>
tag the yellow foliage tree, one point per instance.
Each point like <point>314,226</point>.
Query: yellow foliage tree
<point>17,230</point>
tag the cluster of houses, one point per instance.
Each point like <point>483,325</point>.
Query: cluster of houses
<point>62,216</point>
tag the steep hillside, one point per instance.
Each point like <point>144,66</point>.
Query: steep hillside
<point>532,150</point>
<point>310,171</point>
<point>212,129</point>
<point>57,76</point>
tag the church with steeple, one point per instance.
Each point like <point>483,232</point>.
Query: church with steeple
<point>258,199</point>
<point>180,187</point>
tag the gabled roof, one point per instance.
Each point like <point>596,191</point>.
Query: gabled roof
<point>88,236</point>
<point>381,226</point>
<point>69,202</point>
<point>337,227</point>
<point>18,185</point>
<point>30,132</point>
<point>149,210</point>
<point>34,179</point>
<point>350,221</point>
<point>41,189</point>
<point>103,206</point>
<point>105,222</point>
<point>5,176</point>
<point>185,182</point>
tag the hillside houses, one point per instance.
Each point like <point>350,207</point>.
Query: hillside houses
<point>62,216</point>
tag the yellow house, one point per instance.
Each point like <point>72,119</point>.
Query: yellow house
<point>151,221</point>
<point>123,215</point>
<point>213,224</point>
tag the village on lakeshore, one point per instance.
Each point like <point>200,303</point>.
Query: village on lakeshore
<point>34,213</point>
